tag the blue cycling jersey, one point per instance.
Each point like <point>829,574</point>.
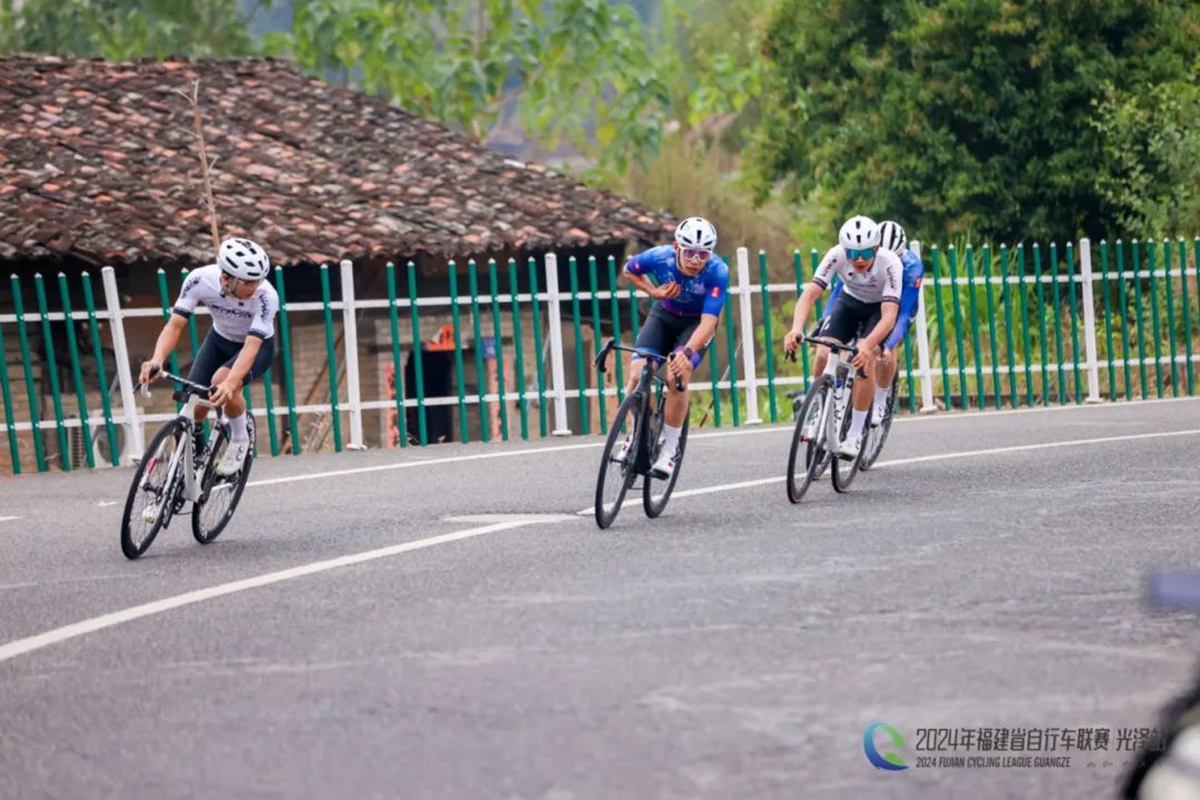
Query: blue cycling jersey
<point>910,295</point>
<point>703,293</point>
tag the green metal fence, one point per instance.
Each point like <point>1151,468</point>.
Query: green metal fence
<point>998,327</point>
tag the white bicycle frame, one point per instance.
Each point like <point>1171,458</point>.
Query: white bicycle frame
<point>184,451</point>
<point>827,427</point>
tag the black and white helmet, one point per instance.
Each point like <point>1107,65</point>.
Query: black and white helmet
<point>243,259</point>
<point>859,233</point>
<point>892,237</point>
<point>696,232</point>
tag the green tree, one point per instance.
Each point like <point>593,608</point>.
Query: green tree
<point>962,115</point>
<point>125,29</point>
<point>573,68</point>
<point>1150,181</point>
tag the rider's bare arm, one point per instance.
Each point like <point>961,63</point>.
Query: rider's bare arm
<point>646,285</point>
<point>887,320</point>
<point>804,306</point>
<point>245,360</point>
<point>704,332</point>
<point>167,340</point>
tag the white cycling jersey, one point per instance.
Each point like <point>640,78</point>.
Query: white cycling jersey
<point>232,318</point>
<point>881,283</point>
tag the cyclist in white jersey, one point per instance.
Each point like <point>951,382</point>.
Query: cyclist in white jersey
<point>866,309</point>
<point>241,344</point>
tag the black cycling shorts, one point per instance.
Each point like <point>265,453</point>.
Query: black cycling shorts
<point>850,319</point>
<point>663,332</point>
<point>217,352</point>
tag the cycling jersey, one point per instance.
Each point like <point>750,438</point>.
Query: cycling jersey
<point>879,284</point>
<point>703,293</point>
<point>232,318</point>
<point>910,296</point>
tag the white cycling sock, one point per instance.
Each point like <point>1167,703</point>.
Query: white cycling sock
<point>857,422</point>
<point>237,428</point>
<point>670,438</point>
<point>880,396</point>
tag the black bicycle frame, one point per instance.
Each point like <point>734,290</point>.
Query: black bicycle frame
<point>646,380</point>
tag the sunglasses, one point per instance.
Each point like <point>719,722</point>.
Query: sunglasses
<point>866,254</point>
<point>695,253</point>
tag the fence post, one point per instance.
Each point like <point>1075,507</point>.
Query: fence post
<point>557,369</point>
<point>746,304</point>
<point>1089,321</point>
<point>923,363</point>
<point>350,339</point>
<point>135,440</point>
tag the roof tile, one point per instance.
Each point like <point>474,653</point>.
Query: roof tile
<point>316,171</point>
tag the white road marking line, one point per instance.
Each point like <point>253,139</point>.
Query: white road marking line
<point>9,519</point>
<point>42,640</point>
<point>106,503</point>
<point>60,581</point>
<point>728,487</point>
<point>37,642</point>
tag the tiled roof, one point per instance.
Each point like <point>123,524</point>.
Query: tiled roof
<point>98,161</point>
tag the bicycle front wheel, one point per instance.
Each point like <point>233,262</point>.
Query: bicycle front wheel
<point>843,471</point>
<point>878,433</point>
<point>806,455</point>
<point>654,494</point>
<point>616,464</point>
<point>220,494</point>
<point>152,494</point>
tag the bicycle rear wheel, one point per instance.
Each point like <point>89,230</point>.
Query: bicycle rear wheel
<point>878,434</point>
<point>655,504</point>
<point>152,495</point>
<point>616,467</point>
<point>807,453</point>
<point>220,494</point>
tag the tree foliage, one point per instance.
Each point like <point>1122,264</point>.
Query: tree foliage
<point>125,29</point>
<point>966,115</point>
<point>571,67</point>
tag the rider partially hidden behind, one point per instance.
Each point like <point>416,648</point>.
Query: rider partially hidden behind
<point>689,283</point>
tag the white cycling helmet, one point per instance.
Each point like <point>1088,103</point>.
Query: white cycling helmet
<point>243,259</point>
<point>696,232</point>
<point>859,233</point>
<point>893,237</point>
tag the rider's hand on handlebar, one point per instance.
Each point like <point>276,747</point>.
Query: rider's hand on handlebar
<point>790,341</point>
<point>675,363</point>
<point>865,355</point>
<point>668,291</point>
<point>150,371</point>
<point>225,390</point>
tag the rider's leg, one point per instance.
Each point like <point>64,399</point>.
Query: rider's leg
<point>860,401</point>
<point>635,371</point>
<point>819,362</point>
<point>675,412</point>
<point>235,411</point>
<point>885,371</point>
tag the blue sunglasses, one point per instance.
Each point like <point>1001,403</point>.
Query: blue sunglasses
<point>866,254</point>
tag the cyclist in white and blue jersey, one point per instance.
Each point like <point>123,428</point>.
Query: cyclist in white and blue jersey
<point>865,312</point>
<point>895,239</point>
<point>241,344</point>
<point>689,281</point>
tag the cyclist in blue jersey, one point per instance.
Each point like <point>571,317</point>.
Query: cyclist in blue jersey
<point>689,282</point>
<point>895,239</point>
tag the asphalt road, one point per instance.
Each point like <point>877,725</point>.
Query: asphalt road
<point>736,647</point>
